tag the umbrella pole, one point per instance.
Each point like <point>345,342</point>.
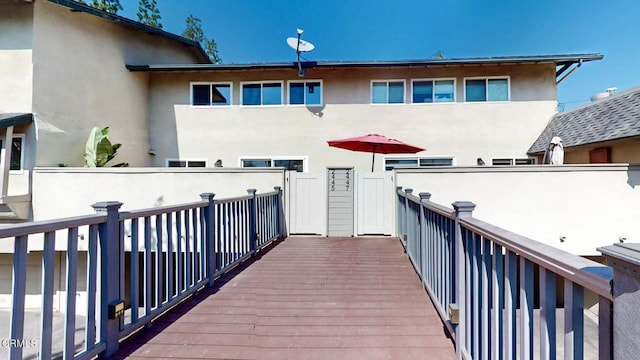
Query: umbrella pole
<point>373,158</point>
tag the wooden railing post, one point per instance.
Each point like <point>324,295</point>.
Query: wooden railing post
<point>210,235</point>
<point>110,248</point>
<point>623,323</point>
<point>253,223</point>
<point>463,209</point>
<point>279,213</point>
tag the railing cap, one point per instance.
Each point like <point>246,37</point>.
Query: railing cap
<point>626,252</point>
<point>408,190</point>
<point>251,191</point>
<point>207,196</point>
<point>107,206</point>
<point>463,207</point>
<point>425,196</point>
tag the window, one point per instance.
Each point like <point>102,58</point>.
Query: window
<point>391,163</point>
<point>17,158</point>
<point>432,91</point>
<point>211,94</point>
<point>513,161</point>
<point>486,89</point>
<point>186,163</point>
<point>263,93</point>
<point>305,92</point>
<point>289,162</point>
<point>387,92</point>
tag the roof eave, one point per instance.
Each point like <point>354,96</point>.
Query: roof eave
<point>558,60</point>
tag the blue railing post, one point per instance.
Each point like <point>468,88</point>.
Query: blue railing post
<point>405,238</point>
<point>424,197</point>
<point>110,248</point>
<point>210,235</point>
<point>253,216</point>
<point>279,213</point>
<point>399,213</point>
<point>463,209</point>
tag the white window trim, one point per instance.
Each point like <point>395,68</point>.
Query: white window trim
<point>513,160</point>
<point>21,171</point>
<point>417,158</point>
<point>281,82</point>
<point>404,91</point>
<point>464,88</point>
<point>211,83</point>
<point>305,160</point>
<point>305,93</point>
<point>166,161</point>
<point>434,80</point>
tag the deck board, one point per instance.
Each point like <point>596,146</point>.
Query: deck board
<point>306,298</point>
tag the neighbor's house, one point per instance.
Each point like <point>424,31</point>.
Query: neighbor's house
<point>460,110</point>
<point>604,131</point>
<point>62,72</point>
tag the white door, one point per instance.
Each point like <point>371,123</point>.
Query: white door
<point>307,203</point>
<point>374,199</point>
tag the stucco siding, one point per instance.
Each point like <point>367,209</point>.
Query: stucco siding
<point>16,39</point>
<point>81,82</point>
<point>464,130</point>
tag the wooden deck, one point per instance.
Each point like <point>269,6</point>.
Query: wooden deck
<point>306,298</point>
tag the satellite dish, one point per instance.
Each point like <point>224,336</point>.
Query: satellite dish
<point>299,45</point>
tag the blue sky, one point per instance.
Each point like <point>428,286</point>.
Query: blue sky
<point>255,31</point>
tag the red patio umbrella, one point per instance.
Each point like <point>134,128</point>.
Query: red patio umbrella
<point>375,143</point>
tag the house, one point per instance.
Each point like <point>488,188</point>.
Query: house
<point>604,131</point>
<point>62,73</point>
<point>246,115</point>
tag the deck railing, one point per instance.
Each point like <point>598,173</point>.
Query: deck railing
<point>486,283</point>
<point>139,264</point>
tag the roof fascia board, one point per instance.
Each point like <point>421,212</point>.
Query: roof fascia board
<point>12,119</point>
<point>559,60</point>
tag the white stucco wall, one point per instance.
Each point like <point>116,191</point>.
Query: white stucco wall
<point>80,81</point>
<point>589,205</point>
<point>16,38</point>
<point>464,130</point>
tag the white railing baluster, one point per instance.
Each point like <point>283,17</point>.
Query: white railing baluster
<point>135,270</point>
<point>72,284</point>
<point>48,269</point>
<point>510,305</point>
<point>159,263</point>
<point>497,302</point>
<point>573,321</point>
<point>526,309</point>
<point>18,289</point>
<point>547,315</point>
<point>486,291</point>
<point>92,284</point>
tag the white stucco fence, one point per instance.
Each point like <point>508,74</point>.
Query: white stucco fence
<point>62,192</point>
<point>574,208</point>
<point>67,192</point>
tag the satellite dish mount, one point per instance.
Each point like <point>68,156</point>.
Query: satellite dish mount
<point>299,46</point>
